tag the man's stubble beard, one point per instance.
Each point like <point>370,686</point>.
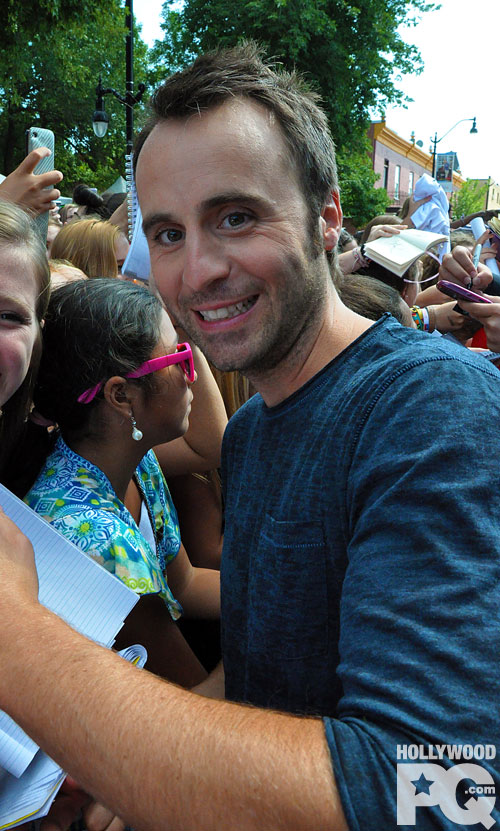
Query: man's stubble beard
<point>298,323</point>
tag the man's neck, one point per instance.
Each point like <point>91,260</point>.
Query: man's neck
<point>336,330</point>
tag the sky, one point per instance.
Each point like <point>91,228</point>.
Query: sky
<point>458,44</point>
<point>148,12</point>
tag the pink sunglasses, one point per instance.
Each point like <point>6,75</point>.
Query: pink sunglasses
<point>183,356</point>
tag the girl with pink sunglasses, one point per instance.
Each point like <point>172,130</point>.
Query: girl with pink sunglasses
<point>113,383</point>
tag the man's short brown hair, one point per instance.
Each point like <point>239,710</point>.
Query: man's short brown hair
<point>240,72</point>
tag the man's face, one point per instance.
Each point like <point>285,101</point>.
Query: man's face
<point>229,235</point>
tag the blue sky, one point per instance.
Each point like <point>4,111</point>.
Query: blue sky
<point>459,46</point>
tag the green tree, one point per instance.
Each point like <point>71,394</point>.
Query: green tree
<point>350,50</point>
<point>470,198</point>
<point>53,55</point>
<point>361,200</point>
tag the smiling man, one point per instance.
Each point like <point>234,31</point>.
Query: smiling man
<point>231,247</point>
<point>360,589</point>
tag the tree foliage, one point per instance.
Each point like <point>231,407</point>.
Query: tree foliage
<point>54,52</point>
<point>361,200</point>
<point>470,198</point>
<point>29,18</point>
<point>349,50</point>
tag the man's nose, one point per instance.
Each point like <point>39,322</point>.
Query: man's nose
<point>205,260</point>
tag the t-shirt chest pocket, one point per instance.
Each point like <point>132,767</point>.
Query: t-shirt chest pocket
<point>288,595</point>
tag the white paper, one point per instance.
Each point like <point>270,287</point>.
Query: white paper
<point>478,227</point>
<point>91,600</point>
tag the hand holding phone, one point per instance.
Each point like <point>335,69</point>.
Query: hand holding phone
<point>36,192</point>
<point>486,312</point>
<point>461,293</point>
<point>39,138</point>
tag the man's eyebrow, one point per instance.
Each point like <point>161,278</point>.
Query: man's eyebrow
<point>241,197</point>
<point>219,199</point>
<point>155,219</point>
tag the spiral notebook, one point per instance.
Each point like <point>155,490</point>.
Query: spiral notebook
<point>137,265</point>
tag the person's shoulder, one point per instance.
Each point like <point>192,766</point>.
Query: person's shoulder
<point>419,349</point>
<point>395,369</point>
<point>395,349</point>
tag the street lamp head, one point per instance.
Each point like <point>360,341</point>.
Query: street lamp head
<point>473,129</point>
<point>100,121</point>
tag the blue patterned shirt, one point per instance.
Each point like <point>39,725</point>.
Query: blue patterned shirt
<point>77,498</point>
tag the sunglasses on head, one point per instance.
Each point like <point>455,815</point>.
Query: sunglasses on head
<point>183,356</point>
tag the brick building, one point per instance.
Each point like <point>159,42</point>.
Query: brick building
<point>399,164</point>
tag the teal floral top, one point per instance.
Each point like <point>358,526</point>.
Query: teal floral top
<point>77,498</point>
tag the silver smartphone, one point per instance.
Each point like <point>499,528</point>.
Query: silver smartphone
<point>39,137</point>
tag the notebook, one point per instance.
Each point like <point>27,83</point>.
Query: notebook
<point>399,251</point>
<point>89,599</point>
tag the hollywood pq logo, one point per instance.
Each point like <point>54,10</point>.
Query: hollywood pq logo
<point>422,784</point>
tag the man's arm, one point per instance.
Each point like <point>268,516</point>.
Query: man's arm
<point>158,756</point>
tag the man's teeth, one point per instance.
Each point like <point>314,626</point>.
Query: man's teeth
<point>228,311</point>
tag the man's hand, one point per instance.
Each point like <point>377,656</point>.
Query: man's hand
<point>458,267</point>
<point>27,189</point>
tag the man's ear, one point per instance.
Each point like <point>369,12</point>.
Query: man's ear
<point>331,221</point>
<point>118,394</point>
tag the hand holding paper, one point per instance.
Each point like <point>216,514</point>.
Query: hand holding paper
<point>77,589</point>
<point>398,252</point>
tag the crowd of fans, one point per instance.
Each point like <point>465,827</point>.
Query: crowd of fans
<point>108,400</point>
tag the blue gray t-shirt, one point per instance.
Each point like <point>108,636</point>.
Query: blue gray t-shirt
<point>361,563</point>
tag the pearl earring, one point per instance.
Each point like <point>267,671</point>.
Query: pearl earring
<point>136,433</point>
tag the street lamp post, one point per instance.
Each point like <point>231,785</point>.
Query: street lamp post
<point>436,141</point>
<point>100,118</point>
